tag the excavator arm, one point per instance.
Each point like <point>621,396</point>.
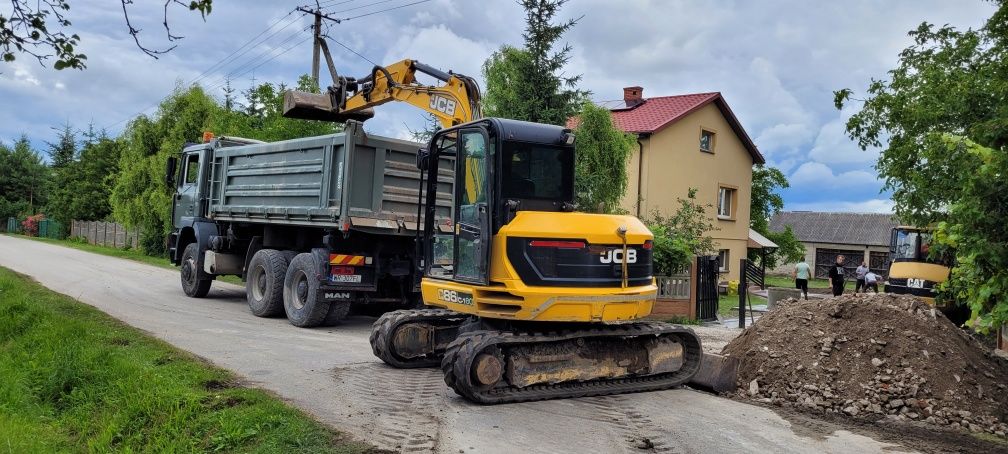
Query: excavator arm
<point>454,102</point>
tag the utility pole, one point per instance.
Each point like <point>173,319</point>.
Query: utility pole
<point>317,31</point>
<point>319,46</point>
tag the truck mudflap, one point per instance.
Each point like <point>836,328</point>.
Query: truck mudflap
<point>335,294</point>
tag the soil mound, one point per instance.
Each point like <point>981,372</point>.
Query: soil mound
<point>871,356</point>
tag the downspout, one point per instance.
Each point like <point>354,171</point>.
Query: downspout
<point>640,170</point>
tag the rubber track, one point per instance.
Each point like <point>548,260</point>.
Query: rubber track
<point>389,322</point>
<point>462,351</point>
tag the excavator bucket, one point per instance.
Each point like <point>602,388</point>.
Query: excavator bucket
<point>318,106</point>
<point>717,373</point>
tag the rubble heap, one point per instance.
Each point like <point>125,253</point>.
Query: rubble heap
<point>871,356</point>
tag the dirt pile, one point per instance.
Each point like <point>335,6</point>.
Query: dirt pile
<point>873,356</point>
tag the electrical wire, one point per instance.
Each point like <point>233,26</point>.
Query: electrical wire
<point>387,9</point>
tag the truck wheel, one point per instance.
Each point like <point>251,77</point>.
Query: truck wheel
<point>300,293</point>
<point>338,312</point>
<point>192,283</point>
<point>264,286</point>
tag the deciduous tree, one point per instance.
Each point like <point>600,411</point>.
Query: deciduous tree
<point>600,161</point>
<point>766,201</point>
<point>942,123</point>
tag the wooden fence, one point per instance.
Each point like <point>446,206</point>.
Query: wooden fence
<point>105,234</point>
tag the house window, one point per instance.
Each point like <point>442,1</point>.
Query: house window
<point>726,203</point>
<point>706,141</point>
<point>724,255</point>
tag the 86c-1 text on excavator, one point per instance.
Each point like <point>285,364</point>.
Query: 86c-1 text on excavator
<point>527,298</point>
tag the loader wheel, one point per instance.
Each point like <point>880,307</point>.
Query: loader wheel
<point>194,283</point>
<point>300,293</point>
<point>264,285</point>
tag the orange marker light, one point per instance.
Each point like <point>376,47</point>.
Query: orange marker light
<point>207,136</point>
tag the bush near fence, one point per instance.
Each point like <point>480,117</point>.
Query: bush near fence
<point>103,233</point>
<point>35,226</point>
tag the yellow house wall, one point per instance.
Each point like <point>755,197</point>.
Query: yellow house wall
<point>673,163</point>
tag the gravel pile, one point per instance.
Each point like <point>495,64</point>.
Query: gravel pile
<point>872,356</point>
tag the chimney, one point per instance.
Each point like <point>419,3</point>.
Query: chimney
<point>633,95</point>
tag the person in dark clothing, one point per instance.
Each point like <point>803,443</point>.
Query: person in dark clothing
<point>836,276</point>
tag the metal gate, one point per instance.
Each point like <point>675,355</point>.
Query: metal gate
<point>826,258</point>
<point>707,290</point>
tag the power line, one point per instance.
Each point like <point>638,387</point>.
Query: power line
<point>232,56</point>
<point>227,59</point>
<point>388,9</point>
<point>359,7</point>
<point>223,80</point>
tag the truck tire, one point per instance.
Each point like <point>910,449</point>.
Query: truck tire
<point>338,312</point>
<point>300,293</point>
<point>264,286</point>
<point>193,282</point>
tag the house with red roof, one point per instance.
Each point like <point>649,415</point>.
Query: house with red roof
<point>690,141</point>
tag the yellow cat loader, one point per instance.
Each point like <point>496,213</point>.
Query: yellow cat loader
<point>527,299</point>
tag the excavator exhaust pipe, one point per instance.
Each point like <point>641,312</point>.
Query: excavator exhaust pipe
<point>305,105</point>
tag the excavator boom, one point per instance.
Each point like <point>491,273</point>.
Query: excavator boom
<point>453,102</point>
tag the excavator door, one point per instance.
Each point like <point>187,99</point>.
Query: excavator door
<point>462,253</point>
<point>472,206</point>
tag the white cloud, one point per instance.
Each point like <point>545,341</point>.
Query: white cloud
<point>819,176</point>
<point>863,206</point>
<point>833,146</point>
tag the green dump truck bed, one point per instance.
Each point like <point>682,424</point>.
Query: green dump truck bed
<point>347,181</point>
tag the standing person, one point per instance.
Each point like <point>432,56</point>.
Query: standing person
<point>802,274</point>
<point>860,274</point>
<point>871,281</point>
<point>836,276</point>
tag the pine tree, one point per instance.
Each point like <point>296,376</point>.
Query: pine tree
<point>64,150</point>
<point>528,83</point>
<point>229,100</point>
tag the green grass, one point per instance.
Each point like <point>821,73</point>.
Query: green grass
<point>728,304</point>
<point>788,281</point>
<point>73,379</point>
<point>129,254</point>
<point>682,320</point>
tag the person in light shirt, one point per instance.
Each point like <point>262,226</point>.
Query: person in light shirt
<point>802,274</point>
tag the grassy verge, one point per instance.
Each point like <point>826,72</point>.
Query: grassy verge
<point>788,281</point>
<point>129,254</point>
<point>73,379</point>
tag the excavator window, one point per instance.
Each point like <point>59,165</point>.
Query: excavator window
<point>537,172</point>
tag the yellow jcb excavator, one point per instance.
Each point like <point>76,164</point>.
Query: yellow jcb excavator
<point>528,298</point>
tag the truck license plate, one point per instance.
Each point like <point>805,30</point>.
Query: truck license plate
<point>351,278</point>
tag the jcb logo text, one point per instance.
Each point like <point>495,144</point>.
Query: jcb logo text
<point>616,256</point>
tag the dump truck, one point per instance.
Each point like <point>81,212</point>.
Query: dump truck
<point>312,225</point>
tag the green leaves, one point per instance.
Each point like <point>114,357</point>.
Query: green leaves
<point>941,119</point>
<point>528,83</point>
<point>600,160</point>
<point>682,235</point>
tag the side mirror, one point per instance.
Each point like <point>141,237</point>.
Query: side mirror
<point>170,171</point>
<point>892,241</point>
<point>422,158</point>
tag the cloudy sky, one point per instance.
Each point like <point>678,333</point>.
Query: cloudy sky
<point>776,62</point>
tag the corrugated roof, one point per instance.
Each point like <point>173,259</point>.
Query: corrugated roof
<point>653,114</point>
<point>871,229</point>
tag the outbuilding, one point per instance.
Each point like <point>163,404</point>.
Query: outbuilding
<point>857,236</point>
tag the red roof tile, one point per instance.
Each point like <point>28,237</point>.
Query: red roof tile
<point>656,113</point>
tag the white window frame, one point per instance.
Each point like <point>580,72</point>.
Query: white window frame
<point>710,144</point>
<point>724,207</point>
<point>724,256</point>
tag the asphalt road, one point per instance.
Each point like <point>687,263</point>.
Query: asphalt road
<point>331,374</point>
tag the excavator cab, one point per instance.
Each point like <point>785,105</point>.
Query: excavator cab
<point>494,178</point>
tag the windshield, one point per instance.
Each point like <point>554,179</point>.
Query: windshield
<point>537,171</point>
<point>912,245</point>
